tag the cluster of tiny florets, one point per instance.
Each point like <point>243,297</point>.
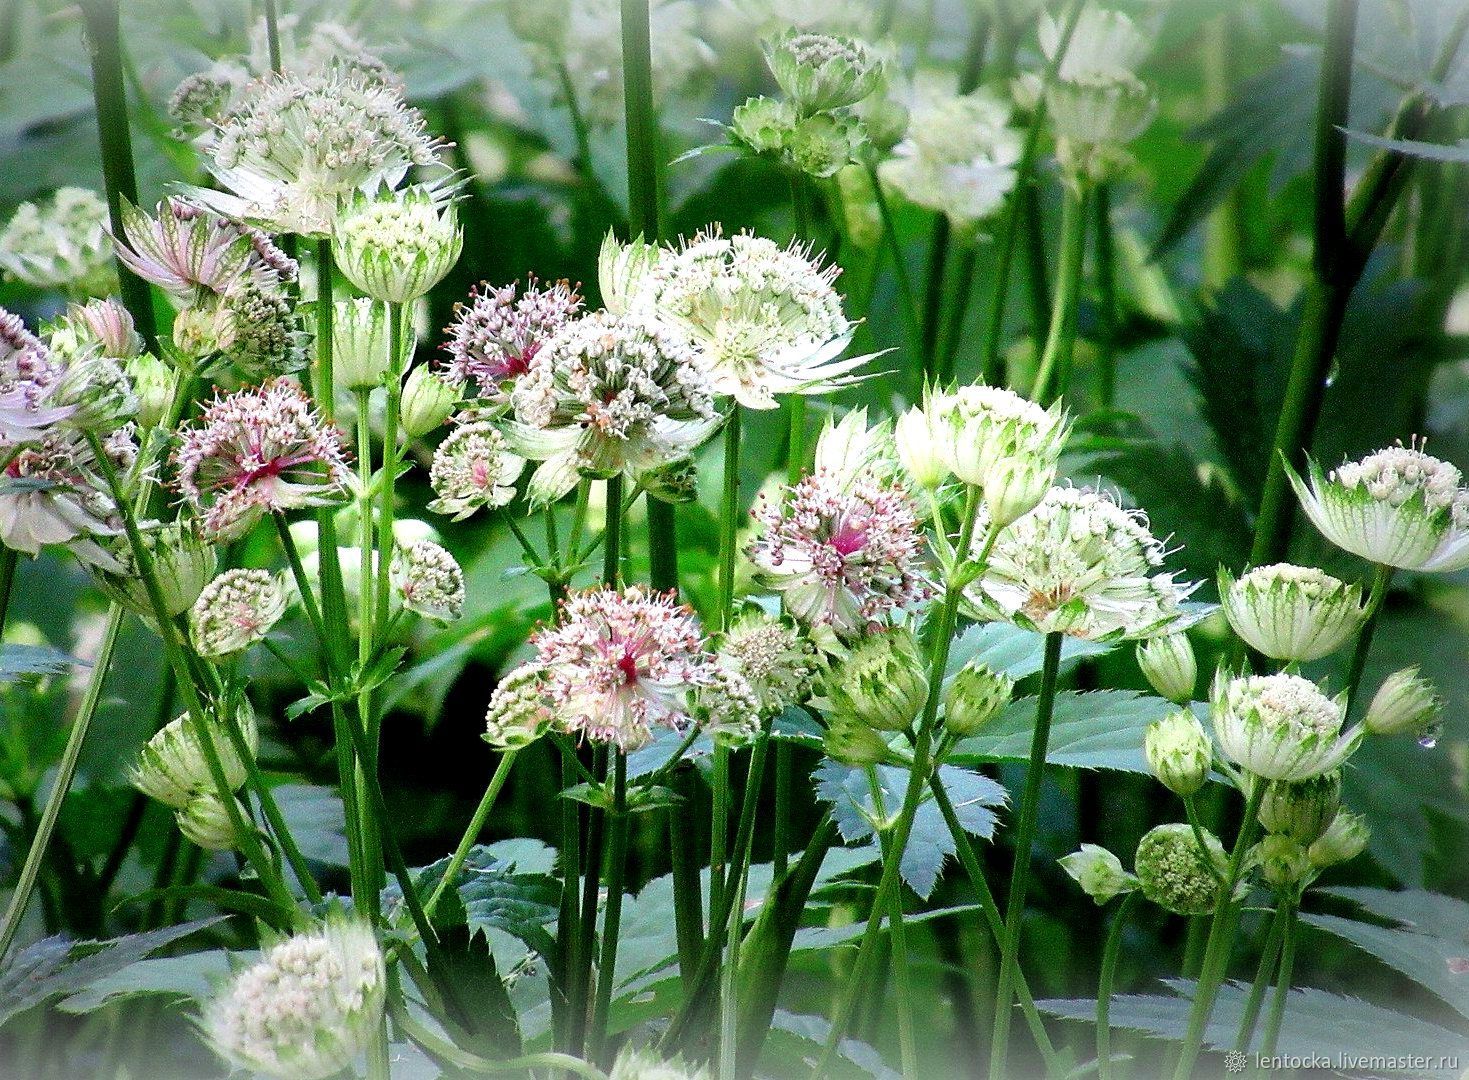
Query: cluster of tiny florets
<point>60,242</point>
<point>842,556</point>
<point>495,337</point>
<point>429,580</point>
<point>1395,474</point>
<point>261,450</point>
<point>235,610</point>
<point>776,661</point>
<point>1175,873</point>
<point>473,468</point>
<point>1288,703</point>
<point>621,664</point>
<point>519,711</point>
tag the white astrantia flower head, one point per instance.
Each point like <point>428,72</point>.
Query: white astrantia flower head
<point>766,319</point>
<point>236,610</point>
<point>51,494</point>
<point>472,469</point>
<point>1096,102</point>
<point>1005,445</point>
<point>396,246</point>
<point>821,72</point>
<point>183,249</point>
<point>295,147</point>
<point>60,243</point>
<point>97,391</point>
<point>851,451</point>
<point>1106,46</point>
<point>726,707</point>
<point>1170,666</point>
<point>622,663</point>
<point>429,581</point>
<point>1288,612</point>
<point>172,766</point>
<point>921,439</point>
<point>1098,872</point>
<point>1178,751</point>
<point>495,336</point>
<point>772,656</point>
<point>609,395</point>
<point>1175,873</point>
<point>1280,727</point>
<point>634,1063</point>
<point>520,711</point>
<point>1397,507</point>
<point>959,157</point>
<point>1080,565</point>
<point>307,1007</point>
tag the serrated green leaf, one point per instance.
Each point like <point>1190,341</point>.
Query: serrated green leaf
<point>190,977</point>
<point>1102,729</point>
<point>1014,651</point>
<point>19,661</point>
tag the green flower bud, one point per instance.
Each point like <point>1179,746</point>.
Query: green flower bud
<point>519,713</point>
<point>360,343</point>
<point>1014,487</point>
<point>152,381</point>
<point>1175,874</point>
<point>820,145</point>
<point>205,820</point>
<point>99,392</point>
<point>182,561</point>
<point>975,696</point>
<point>852,742</point>
<point>676,482</point>
<point>398,247</point>
<point>763,125</point>
<point>1283,862</point>
<point>428,399</point>
<point>1098,872</point>
<point>1302,809</point>
<point>1178,752</point>
<point>820,72</point>
<point>1405,704</point>
<point>1344,839</point>
<point>1169,664</point>
<point>173,767</point>
<point>882,682</point>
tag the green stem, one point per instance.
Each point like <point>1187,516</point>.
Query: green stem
<point>1195,823</point>
<point>451,1055</point>
<point>734,900</point>
<point>1104,987</point>
<point>922,371</point>
<point>729,514</point>
<point>1025,824</point>
<point>103,34</point>
<point>8,560</point>
<point>273,36</point>
<point>1106,299</point>
<point>1381,577</point>
<point>387,508</point>
<point>688,906</point>
<point>1218,946</point>
<point>471,833</point>
<point>612,534</point>
<point>1053,377</point>
<point>617,829</point>
<point>1256,999</point>
<point>65,772</point>
<point>1282,981</point>
<point>902,983</point>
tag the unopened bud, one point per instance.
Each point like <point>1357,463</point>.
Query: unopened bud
<point>1098,872</point>
<point>1405,704</point>
<point>1178,752</point>
<point>428,399</point>
<point>360,345</point>
<point>882,682</point>
<point>1301,809</point>
<point>1169,664</point>
<point>1175,873</point>
<point>975,696</point>
<point>1344,839</point>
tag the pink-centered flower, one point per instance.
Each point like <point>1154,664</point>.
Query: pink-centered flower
<point>261,450</point>
<point>50,494</point>
<point>494,337</point>
<point>843,556</point>
<point>622,663</point>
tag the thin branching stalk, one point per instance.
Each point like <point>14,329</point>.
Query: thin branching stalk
<point>1053,377</point>
<point>1282,980</point>
<point>1256,998</point>
<point>1105,983</point>
<point>1025,823</point>
<point>472,831</point>
<point>1381,578</point>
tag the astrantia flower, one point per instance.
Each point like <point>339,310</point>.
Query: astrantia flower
<point>28,376</point>
<point>1302,809</point>
<point>974,696</point>
<point>850,450</point>
<point>236,610</point>
<point>1398,506</point>
<point>50,493</point>
<point>428,399</point>
<point>1081,565</point>
<point>843,557</point>
<point>60,242</point>
<point>429,581</point>
<point>621,664</point>
<point>1175,873</point>
<point>1291,612</point>
<point>1006,445</point>
<point>473,468</point>
<point>520,711</point>
<point>104,326</point>
<point>882,682</point>
<point>307,1008</point>
<point>258,451</point>
<point>640,1064</point>
<point>726,706</point>
<point>1098,872</point>
<point>359,342</point>
<point>1405,703</point>
<point>296,146</point>
<point>183,249</point>
<point>772,656</point>
<point>821,72</point>
<point>1170,666</point>
<point>494,337</point>
<point>173,764</point>
<point>767,319</point>
<point>1178,752</point>
<point>205,820</point>
<point>259,332</point>
<point>98,392</point>
<point>396,247</point>
<point>609,395</point>
<point>1281,727</point>
<point>182,561</point>
<point>958,159</point>
<point>1344,839</point>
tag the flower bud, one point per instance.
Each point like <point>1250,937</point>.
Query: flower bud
<point>860,211</point>
<point>173,767</point>
<point>205,820</point>
<point>1405,704</point>
<point>1168,662</point>
<point>676,482</point>
<point>1301,810</point>
<point>1014,487</point>
<point>360,343</point>
<point>852,742</point>
<point>882,682</point>
<point>1178,752</point>
<point>1175,874</point>
<point>763,125</point>
<point>820,72</point>
<point>103,325</point>
<point>1281,727</point>
<point>1098,872</point>
<point>236,610</point>
<point>990,426</point>
<point>428,399</point>
<point>821,145</point>
<point>1344,839</point>
<point>202,329</point>
<point>182,562</point>
<point>1283,862</point>
<point>519,713</point>
<point>152,381</point>
<point>429,581</point>
<point>921,435</point>
<point>975,696</point>
<point>398,247</point>
<point>624,272</point>
<point>98,391</point>
<point>1291,612</point>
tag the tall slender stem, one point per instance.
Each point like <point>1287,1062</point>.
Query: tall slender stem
<point>387,507</point>
<point>902,984</point>
<point>104,44</point>
<point>1104,987</point>
<point>273,35</point>
<point>472,831</point>
<point>1381,577</point>
<point>1053,377</point>
<point>617,828</point>
<point>729,512</point>
<point>1282,980</point>
<point>1256,997</point>
<point>1025,824</point>
<point>1106,269</point>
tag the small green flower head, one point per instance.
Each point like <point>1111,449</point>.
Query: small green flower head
<point>1169,664</point>
<point>1098,872</point>
<point>1301,810</point>
<point>822,145</point>
<point>921,436</point>
<point>624,275</point>
<point>399,246</point>
<point>851,742</point>
<point>1291,612</point>
<point>519,711</point>
<point>975,696</point>
<point>1178,752</point>
<point>1405,704</point>
<point>1175,874</point>
<point>360,343</point>
<point>882,682</point>
<point>1283,862</point>
<point>182,561</point>
<point>236,610</point>
<point>1344,839</point>
<point>98,392</point>
<point>428,399</point>
<point>205,820</point>
<point>821,72</point>
<point>1281,727</point>
<point>776,661</point>
<point>173,768</point>
<point>763,125</point>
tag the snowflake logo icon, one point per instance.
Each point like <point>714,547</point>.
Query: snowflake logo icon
<point>1235,1062</point>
